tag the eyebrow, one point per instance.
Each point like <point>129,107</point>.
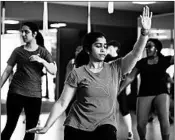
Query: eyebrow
<point>100,43</point>
<point>24,30</point>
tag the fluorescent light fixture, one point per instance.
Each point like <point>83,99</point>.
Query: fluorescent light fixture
<point>54,30</point>
<point>11,22</point>
<point>155,31</point>
<point>143,2</point>
<point>110,7</point>
<point>13,31</point>
<point>162,37</point>
<point>58,25</point>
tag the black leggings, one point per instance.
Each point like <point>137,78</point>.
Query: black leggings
<point>123,103</point>
<point>15,104</point>
<point>103,132</point>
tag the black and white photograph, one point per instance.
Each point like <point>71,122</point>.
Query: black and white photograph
<point>87,70</point>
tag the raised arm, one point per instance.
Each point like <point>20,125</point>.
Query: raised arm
<point>5,75</point>
<point>129,78</point>
<point>129,61</point>
<point>58,108</point>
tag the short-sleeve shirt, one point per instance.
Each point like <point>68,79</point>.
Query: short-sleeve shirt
<point>153,76</point>
<point>27,78</point>
<point>96,93</point>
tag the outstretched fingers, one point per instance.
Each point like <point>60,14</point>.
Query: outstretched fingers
<point>146,12</point>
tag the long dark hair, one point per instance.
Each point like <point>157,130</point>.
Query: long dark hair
<point>81,59</point>
<point>34,28</point>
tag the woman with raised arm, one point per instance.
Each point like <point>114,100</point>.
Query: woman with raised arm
<point>93,114</point>
<point>153,89</point>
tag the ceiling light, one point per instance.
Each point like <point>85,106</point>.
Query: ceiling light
<point>110,7</point>
<point>143,2</point>
<point>157,31</point>
<point>53,30</point>
<point>162,37</point>
<point>11,22</point>
<point>13,31</point>
<point>58,25</point>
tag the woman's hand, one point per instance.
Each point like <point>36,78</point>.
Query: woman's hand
<point>36,58</point>
<point>38,130</point>
<point>146,18</point>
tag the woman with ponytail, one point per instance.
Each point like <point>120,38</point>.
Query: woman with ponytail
<point>93,114</point>
<point>25,87</point>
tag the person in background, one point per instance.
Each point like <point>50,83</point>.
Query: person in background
<point>25,87</point>
<point>70,66</point>
<point>93,114</point>
<point>113,54</point>
<point>153,91</point>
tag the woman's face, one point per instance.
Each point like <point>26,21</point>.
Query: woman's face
<point>26,34</point>
<point>99,49</point>
<point>151,49</point>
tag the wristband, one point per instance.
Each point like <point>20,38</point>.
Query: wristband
<point>144,32</point>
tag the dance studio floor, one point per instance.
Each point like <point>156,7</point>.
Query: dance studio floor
<point>56,132</point>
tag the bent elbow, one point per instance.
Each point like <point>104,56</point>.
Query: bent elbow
<point>54,70</point>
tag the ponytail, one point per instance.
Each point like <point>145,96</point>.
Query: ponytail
<point>40,39</point>
<point>82,59</point>
<point>34,28</point>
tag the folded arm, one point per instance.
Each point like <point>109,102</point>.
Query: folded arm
<point>50,67</point>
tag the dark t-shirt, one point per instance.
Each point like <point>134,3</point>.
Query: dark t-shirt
<point>152,76</point>
<point>27,78</point>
